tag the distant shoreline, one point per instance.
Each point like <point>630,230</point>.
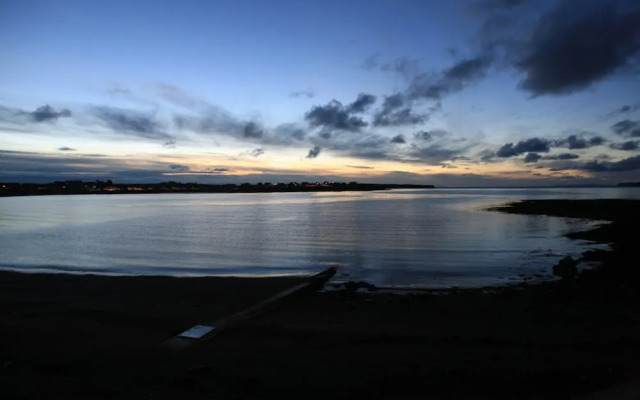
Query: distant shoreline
<point>108,187</point>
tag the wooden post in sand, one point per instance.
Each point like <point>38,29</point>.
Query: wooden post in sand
<point>201,333</point>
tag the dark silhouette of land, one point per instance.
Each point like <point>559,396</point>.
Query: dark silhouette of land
<point>629,184</point>
<point>108,187</point>
<point>80,336</point>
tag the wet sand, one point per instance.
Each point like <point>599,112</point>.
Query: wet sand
<point>66,336</point>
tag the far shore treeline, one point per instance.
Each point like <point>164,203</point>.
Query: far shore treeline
<point>109,187</point>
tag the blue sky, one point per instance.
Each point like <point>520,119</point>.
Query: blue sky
<point>471,93</point>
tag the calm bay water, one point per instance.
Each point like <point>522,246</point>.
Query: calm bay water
<point>428,238</point>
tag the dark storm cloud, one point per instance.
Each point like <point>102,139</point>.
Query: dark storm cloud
<point>252,130</point>
<point>532,157</point>
<point>66,149</point>
<point>314,152</point>
<point>308,93</point>
<point>628,164</point>
<point>627,128</point>
<point>574,46</point>
<point>629,145</point>
<point>398,139</point>
<point>130,121</point>
<point>361,104</point>
<point>597,141</point>
<point>333,115</point>
<point>530,145</point>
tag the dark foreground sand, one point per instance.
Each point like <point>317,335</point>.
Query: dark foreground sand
<point>65,336</point>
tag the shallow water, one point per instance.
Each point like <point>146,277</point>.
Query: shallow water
<point>426,238</point>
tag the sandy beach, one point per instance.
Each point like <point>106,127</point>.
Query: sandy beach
<point>83,336</point>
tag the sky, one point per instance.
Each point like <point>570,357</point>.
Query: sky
<point>456,93</point>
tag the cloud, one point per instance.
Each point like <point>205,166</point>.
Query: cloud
<point>572,47</point>
<point>314,152</point>
<point>404,66</point>
<point>422,135</point>
<point>178,168</point>
<point>627,108</point>
<point>562,156</point>
<point>288,133</point>
<point>170,144</point>
<point>574,142</point>
<point>361,104</point>
<point>256,152</point>
<point>398,139</point>
<point>48,113</point>
<point>359,166</point>
<point>627,128</point>
<point>308,93</point>
<point>532,157</point>
<point>66,149</point>
<point>130,121</point>
<point>333,115</point>
<point>37,167</point>
<point>180,97</point>
<point>371,62</point>
<point>524,146</point>
<point>453,79</point>
<point>429,135</point>
<point>401,117</point>
<point>208,119</point>
<point>396,111</point>
<point>252,130</point>
<point>215,120</point>
<point>433,155</point>
<point>627,164</point>
<point>44,113</point>
<point>629,145</point>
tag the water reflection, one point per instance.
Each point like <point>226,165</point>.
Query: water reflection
<point>408,237</point>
